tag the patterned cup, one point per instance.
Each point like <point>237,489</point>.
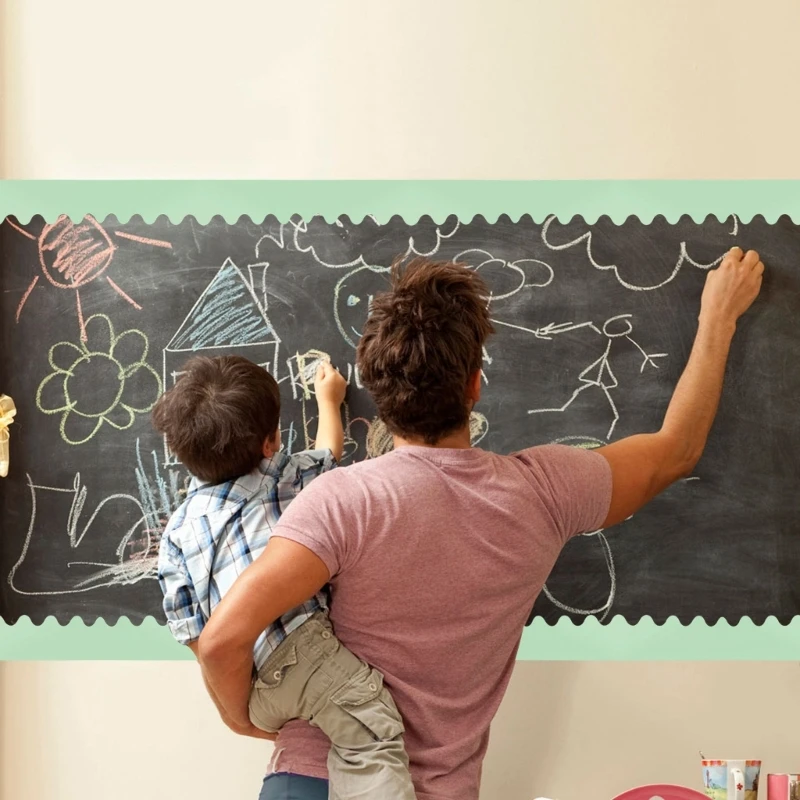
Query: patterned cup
<point>728,779</point>
<point>783,787</point>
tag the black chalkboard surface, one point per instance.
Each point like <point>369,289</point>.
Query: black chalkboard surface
<point>594,325</point>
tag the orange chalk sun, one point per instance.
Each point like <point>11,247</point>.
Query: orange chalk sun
<point>73,255</point>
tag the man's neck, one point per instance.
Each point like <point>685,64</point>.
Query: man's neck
<point>460,440</point>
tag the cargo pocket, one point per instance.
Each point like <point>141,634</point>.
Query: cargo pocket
<point>265,709</point>
<point>271,675</point>
<point>366,701</point>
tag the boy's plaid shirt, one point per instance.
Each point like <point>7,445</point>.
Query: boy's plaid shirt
<point>218,531</point>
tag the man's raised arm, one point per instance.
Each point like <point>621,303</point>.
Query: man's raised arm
<point>643,466</point>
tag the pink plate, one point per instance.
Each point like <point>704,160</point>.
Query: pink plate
<point>661,791</point>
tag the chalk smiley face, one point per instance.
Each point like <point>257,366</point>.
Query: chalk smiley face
<point>353,299</point>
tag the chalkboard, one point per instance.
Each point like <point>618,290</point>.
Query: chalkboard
<point>594,326</point>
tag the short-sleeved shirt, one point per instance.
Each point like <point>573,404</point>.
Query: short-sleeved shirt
<point>436,558</point>
<point>218,531</point>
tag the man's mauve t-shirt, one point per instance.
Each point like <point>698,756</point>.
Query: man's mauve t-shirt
<point>436,557</point>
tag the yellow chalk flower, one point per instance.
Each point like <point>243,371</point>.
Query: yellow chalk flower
<point>104,379</point>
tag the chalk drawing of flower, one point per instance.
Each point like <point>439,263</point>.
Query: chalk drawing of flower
<point>104,379</point>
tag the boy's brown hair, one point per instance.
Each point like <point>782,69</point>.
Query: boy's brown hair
<point>421,343</point>
<point>218,415</point>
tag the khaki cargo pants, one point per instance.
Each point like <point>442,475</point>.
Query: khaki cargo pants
<point>312,676</point>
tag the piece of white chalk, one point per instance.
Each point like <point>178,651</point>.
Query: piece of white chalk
<point>7,412</point>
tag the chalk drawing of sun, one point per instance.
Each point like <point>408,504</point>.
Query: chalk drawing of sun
<point>74,254</point>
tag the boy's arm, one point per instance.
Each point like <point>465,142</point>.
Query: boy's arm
<point>180,604</point>
<point>330,387</point>
<point>184,617</point>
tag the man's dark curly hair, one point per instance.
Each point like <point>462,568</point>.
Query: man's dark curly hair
<point>421,343</point>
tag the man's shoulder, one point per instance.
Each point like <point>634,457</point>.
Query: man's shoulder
<point>556,452</point>
<point>357,474</point>
<point>341,488</point>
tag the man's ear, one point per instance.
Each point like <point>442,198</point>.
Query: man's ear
<point>474,388</point>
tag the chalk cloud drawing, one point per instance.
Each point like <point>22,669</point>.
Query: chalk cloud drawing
<point>507,278</point>
<point>278,236</point>
<point>585,239</point>
<point>229,318</point>
<point>104,380</point>
<point>366,276</point>
<point>131,559</point>
<point>331,248</point>
<point>74,254</point>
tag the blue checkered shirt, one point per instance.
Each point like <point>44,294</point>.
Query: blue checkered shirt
<point>218,531</point>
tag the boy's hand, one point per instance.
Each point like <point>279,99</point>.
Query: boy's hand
<point>329,384</point>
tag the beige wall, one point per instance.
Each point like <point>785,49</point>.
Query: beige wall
<point>446,89</point>
<point>568,731</point>
<point>422,88</point>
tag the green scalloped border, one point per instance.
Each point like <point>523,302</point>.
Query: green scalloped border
<point>616,641</point>
<point>410,199</point>
<point>564,641</point>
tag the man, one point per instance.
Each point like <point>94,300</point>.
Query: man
<point>436,551</point>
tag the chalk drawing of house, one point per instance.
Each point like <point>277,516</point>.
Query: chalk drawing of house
<point>229,318</point>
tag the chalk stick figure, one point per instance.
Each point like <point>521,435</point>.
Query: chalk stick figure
<point>599,374</point>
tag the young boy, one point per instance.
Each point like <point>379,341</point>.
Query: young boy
<point>221,420</point>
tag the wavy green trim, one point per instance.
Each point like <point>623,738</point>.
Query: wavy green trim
<point>564,641</point>
<point>410,199</point>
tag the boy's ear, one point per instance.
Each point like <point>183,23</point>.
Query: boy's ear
<point>272,444</point>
